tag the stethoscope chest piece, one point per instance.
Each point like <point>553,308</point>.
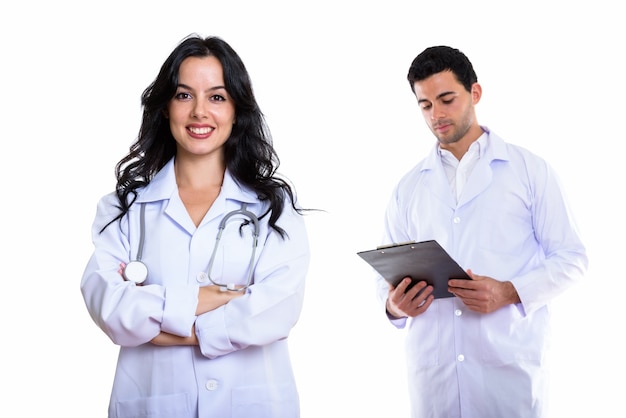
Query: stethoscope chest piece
<point>136,272</point>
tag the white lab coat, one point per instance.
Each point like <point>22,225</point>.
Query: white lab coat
<point>242,366</point>
<point>511,222</point>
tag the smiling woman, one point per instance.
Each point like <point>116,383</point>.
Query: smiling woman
<point>202,113</point>
<point>201,117</point>
<point>189,347</point>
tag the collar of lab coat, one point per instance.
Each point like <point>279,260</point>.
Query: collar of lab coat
<point>493,148</point>
<point>163,187</point>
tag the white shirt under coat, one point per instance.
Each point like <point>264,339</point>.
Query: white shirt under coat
<point>510,221</point>
<point>241,367</point>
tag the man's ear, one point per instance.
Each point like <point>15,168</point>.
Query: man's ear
<point>476,92</point>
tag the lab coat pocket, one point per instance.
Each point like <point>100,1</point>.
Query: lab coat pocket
<point>265,401</point>
<point>507,336</point>
<point>164,406</point>
<point>423,342</point>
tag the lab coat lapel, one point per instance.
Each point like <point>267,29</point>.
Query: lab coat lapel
<point>478,181</point>
<point>230,198</point>
<point>163,188</point>
<point>481,177</point>
<point>178,213</point>
<point>436,181</point>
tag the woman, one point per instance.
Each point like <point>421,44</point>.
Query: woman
<point>195,340</point>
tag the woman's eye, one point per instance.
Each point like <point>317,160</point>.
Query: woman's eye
<point>218,98</point>
<point>182,96</point>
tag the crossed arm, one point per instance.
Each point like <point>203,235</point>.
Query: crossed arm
<point>209,298</point>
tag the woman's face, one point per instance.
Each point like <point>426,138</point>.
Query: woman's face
<point>201,113</point>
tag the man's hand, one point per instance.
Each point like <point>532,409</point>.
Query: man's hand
<point>402,303</point>
<point>483,294</point>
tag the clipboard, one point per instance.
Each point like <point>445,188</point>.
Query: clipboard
<point>422,261</point>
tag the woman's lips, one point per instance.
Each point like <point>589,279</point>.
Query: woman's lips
<point>200,131</point>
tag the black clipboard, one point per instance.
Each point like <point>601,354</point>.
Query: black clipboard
<point>426,260</point>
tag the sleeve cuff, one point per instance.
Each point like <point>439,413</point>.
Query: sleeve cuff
<point>179,312</point>
<point>212,335</point>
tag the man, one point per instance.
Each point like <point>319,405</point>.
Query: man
<point>499,211</point>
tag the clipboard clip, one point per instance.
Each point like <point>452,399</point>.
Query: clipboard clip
<point>395,244</point>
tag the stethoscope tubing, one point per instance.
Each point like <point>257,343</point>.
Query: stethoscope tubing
<point>136,271</point>
<point>255,221</point>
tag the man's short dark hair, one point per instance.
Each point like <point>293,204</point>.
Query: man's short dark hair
<point>436,59</point>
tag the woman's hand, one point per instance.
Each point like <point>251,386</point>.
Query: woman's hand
<point>166,340</point>
<point>209,298</point>
<point>212,297</point>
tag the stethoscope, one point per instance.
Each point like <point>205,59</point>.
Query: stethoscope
<point>137,272</point>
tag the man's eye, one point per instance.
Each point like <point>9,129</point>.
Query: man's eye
<point>426,107</point>
<point>447,101</point>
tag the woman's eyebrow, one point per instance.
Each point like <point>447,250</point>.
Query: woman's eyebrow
<point>184,86</point>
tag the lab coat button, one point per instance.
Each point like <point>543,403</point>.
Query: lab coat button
<point>211,384</point>
<point>458,312</point>
<point>460,357</point>
<point>456,220</point>
<point>201,277</point>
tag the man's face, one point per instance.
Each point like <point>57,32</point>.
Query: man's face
<point>447,107</point>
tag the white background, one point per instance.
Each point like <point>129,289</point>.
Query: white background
<point>330,78</point>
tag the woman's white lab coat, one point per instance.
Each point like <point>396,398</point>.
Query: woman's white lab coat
<point>241,367</point>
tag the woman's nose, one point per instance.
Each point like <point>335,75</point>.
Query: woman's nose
<point>199,109</point>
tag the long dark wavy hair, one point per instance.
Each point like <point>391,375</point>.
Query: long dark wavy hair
<point>249,154</point>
